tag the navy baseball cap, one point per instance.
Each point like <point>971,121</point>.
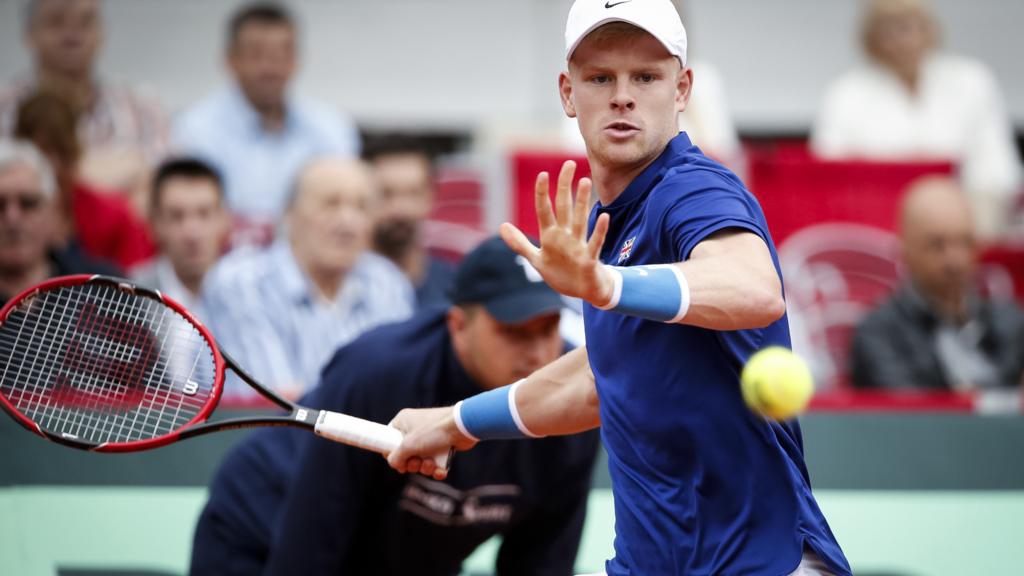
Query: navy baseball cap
<point>505,283</point>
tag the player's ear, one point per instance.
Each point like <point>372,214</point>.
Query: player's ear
<point>565,93</point>
<point>684,87</point>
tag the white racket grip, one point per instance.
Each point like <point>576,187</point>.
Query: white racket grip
<point>365,434</point>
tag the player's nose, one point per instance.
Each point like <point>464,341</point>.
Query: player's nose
<point>622,98</point>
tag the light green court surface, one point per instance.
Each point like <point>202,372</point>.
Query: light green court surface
<point>890,532</point>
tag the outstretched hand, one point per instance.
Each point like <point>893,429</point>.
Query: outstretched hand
<point>566,260</point>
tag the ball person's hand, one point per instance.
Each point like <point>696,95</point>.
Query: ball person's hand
<point>566,260</point>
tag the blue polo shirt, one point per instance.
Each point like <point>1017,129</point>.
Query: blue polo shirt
<point>702,485</point>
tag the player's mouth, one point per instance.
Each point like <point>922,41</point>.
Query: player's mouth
<point>621,130</point>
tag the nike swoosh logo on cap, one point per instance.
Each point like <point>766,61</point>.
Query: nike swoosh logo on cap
<point>613,5</point>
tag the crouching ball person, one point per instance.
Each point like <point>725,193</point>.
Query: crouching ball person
<point>286,502</point>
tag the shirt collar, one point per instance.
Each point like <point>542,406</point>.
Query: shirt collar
<point>919,304</point>
<point>248,115</point>
<point>297,285</point>
<point>642,183</point>
<point>170,284</point>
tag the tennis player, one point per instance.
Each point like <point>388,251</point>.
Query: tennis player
<point>682,285</point>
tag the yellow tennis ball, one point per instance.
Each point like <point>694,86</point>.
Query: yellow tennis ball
<point>776,383</point>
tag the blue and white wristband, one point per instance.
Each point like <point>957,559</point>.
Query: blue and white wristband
<point>657,292</point>
<point>491,415</point>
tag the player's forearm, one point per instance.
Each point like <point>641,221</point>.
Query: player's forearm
<point>728,283</point>
<point>560,398</point>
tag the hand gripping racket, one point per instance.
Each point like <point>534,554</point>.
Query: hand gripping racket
<point>102,364</point>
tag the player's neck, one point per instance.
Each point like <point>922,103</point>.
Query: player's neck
<point>611,180</point>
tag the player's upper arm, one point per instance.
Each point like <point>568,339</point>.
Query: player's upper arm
<point>733,281</point>
<point>741,247</point>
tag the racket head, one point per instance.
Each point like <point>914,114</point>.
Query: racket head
<point>100,363</point>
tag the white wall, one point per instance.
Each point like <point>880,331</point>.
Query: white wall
<point>461,63</point>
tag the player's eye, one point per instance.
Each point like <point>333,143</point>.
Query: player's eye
<point>601,79</point>
<point>645,78</point>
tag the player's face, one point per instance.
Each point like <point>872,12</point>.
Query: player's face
<point>191,225</point>
<point>66,35</point>
<point>330,219</point>
<point>626,92</point>
<point>496,354</point>
<point>406,198</point>
<point>263,60</point>
<point>26,219</point>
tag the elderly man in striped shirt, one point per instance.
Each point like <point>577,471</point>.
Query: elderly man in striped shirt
<point>282,312</point>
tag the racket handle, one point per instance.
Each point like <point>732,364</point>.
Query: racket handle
<point>365,434</point>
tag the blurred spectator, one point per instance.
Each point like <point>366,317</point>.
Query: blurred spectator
<point>911,102</point>
<point>123,133</point>
<point>283,311</point>
<point>287,502</point>
<point>100,223</point>
<point>937,331</point>
<point>707,119</point>
<point>254,132</point>
<point>28,214</point>
<point>191,225</point>
<point>405,174</point>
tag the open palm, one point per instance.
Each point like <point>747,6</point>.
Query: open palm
<point>566,260</point>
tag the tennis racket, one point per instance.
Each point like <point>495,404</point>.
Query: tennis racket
<point>102,364</point>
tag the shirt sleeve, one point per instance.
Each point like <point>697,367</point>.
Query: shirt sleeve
<point>340,134</point>
<point>876,361</point>
<point>695,207</point>
<point>991,163</point>
<point>829,135</point>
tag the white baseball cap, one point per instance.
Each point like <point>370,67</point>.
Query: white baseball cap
<point>657,17</point>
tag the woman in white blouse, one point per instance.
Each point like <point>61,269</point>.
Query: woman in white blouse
<point>911,102</point>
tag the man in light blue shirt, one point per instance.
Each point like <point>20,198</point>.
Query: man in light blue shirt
<point>254,132</point>
<point>283,311</point>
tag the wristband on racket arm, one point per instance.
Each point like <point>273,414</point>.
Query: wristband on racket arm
<point>656,292</point>
<point>492,415</point>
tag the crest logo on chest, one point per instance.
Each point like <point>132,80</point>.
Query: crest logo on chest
<point>626,250</point>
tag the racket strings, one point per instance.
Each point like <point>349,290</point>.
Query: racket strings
<point>102,365</point>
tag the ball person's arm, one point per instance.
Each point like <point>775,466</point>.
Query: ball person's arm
<point>558,399</point>
<point>730,279</point>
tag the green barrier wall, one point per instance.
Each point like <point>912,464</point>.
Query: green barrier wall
<point>907,494</point>
<point>149,529</point>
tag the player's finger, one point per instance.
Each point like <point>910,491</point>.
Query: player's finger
<point>518,242</point>
<point>427,467</point>
<point>597,237</point>
<point>563,194</point>
<point>581,209</point>
<point>440,473</point>
<point>412,466</point>
<point>542,201</point>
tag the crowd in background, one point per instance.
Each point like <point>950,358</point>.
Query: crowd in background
<point>265,214</point>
